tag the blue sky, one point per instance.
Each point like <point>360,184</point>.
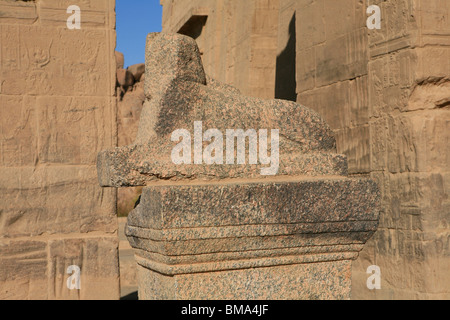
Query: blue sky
<point>134,20</point>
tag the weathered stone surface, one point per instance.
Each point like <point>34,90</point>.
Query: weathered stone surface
<point>36,268</point>
<point>246,55</point>
<point>57,111</point>
<point>180,95</point>
<point>273,202</point>
<point>225,221</point>
<point>211,224</point>
<point>130,166</point>
<point>129,112</point>
<point>317,281</point>
<point>120,60</point>
<point>383,92</point>
<point>24,269</point>
<point>127,262</point>
<point>224,234</point>
<point>137,70</point>
<point>55,61</point>
<point>125,78</point>
<point>408,76</point>
<point>65,187</point>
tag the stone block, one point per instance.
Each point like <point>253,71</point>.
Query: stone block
<point>73,130</point>
<point>310,27</point>
<point>378,130</point>
<point>98,260</point>
<point>359,101</point>
<point>412,139</point>
<point>18,142</point>
<point>399,27</point>
<point>391,79</point>
<point>57,17</point>
<point>295,202</point>
<point>433,16</point>
<point>44,199</point>
<point>342,58</point>
<point>18,12</point>
<point>95,5</point>
<point>61,62</point>
<point>431,93</point>
<point>318,281</point>
<point>306,72</point>
<point>180,235</point>
<point>222,224</point>
<point>37,269</point>
<point>339,18</point>
<point>23,269</point>
<point>337,95</point>
<point>355,144</point>
<point>349,100</point>
<point>264,21</point>
<point>433,62</point>
<point>423,195</point>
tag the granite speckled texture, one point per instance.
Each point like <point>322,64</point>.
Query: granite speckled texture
<point>178,93</point>
<point>225,231</point>
<point>312,281</point>
<point>232,204</point>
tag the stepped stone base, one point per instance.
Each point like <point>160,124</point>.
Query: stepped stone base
<point>257,240</point>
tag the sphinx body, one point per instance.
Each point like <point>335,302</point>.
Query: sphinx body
<point>178,93</point>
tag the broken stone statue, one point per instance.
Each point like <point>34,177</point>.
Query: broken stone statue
<point>209,227</point>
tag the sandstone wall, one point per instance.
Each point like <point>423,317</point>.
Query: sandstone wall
<point>385,93</point>
<point>409,139</point>
<point>57,111</point>
<point>238,39</point>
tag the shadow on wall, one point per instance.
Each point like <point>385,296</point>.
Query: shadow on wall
<point>194,29</point>
<point>131,297</point>
<point>285,82</point>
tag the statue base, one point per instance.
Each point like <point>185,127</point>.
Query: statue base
<point>306,281</point>
<point>269,239</point>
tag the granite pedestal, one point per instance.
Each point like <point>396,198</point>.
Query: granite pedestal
<point>258,240</point>
<point>226,231</point>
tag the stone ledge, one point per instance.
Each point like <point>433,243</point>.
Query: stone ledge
<point>166,207</point>
<point>119,167</point>
<point>228,265</point>
<point>182,229</point>
<point>244,244</point>
<point>183,234</point>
